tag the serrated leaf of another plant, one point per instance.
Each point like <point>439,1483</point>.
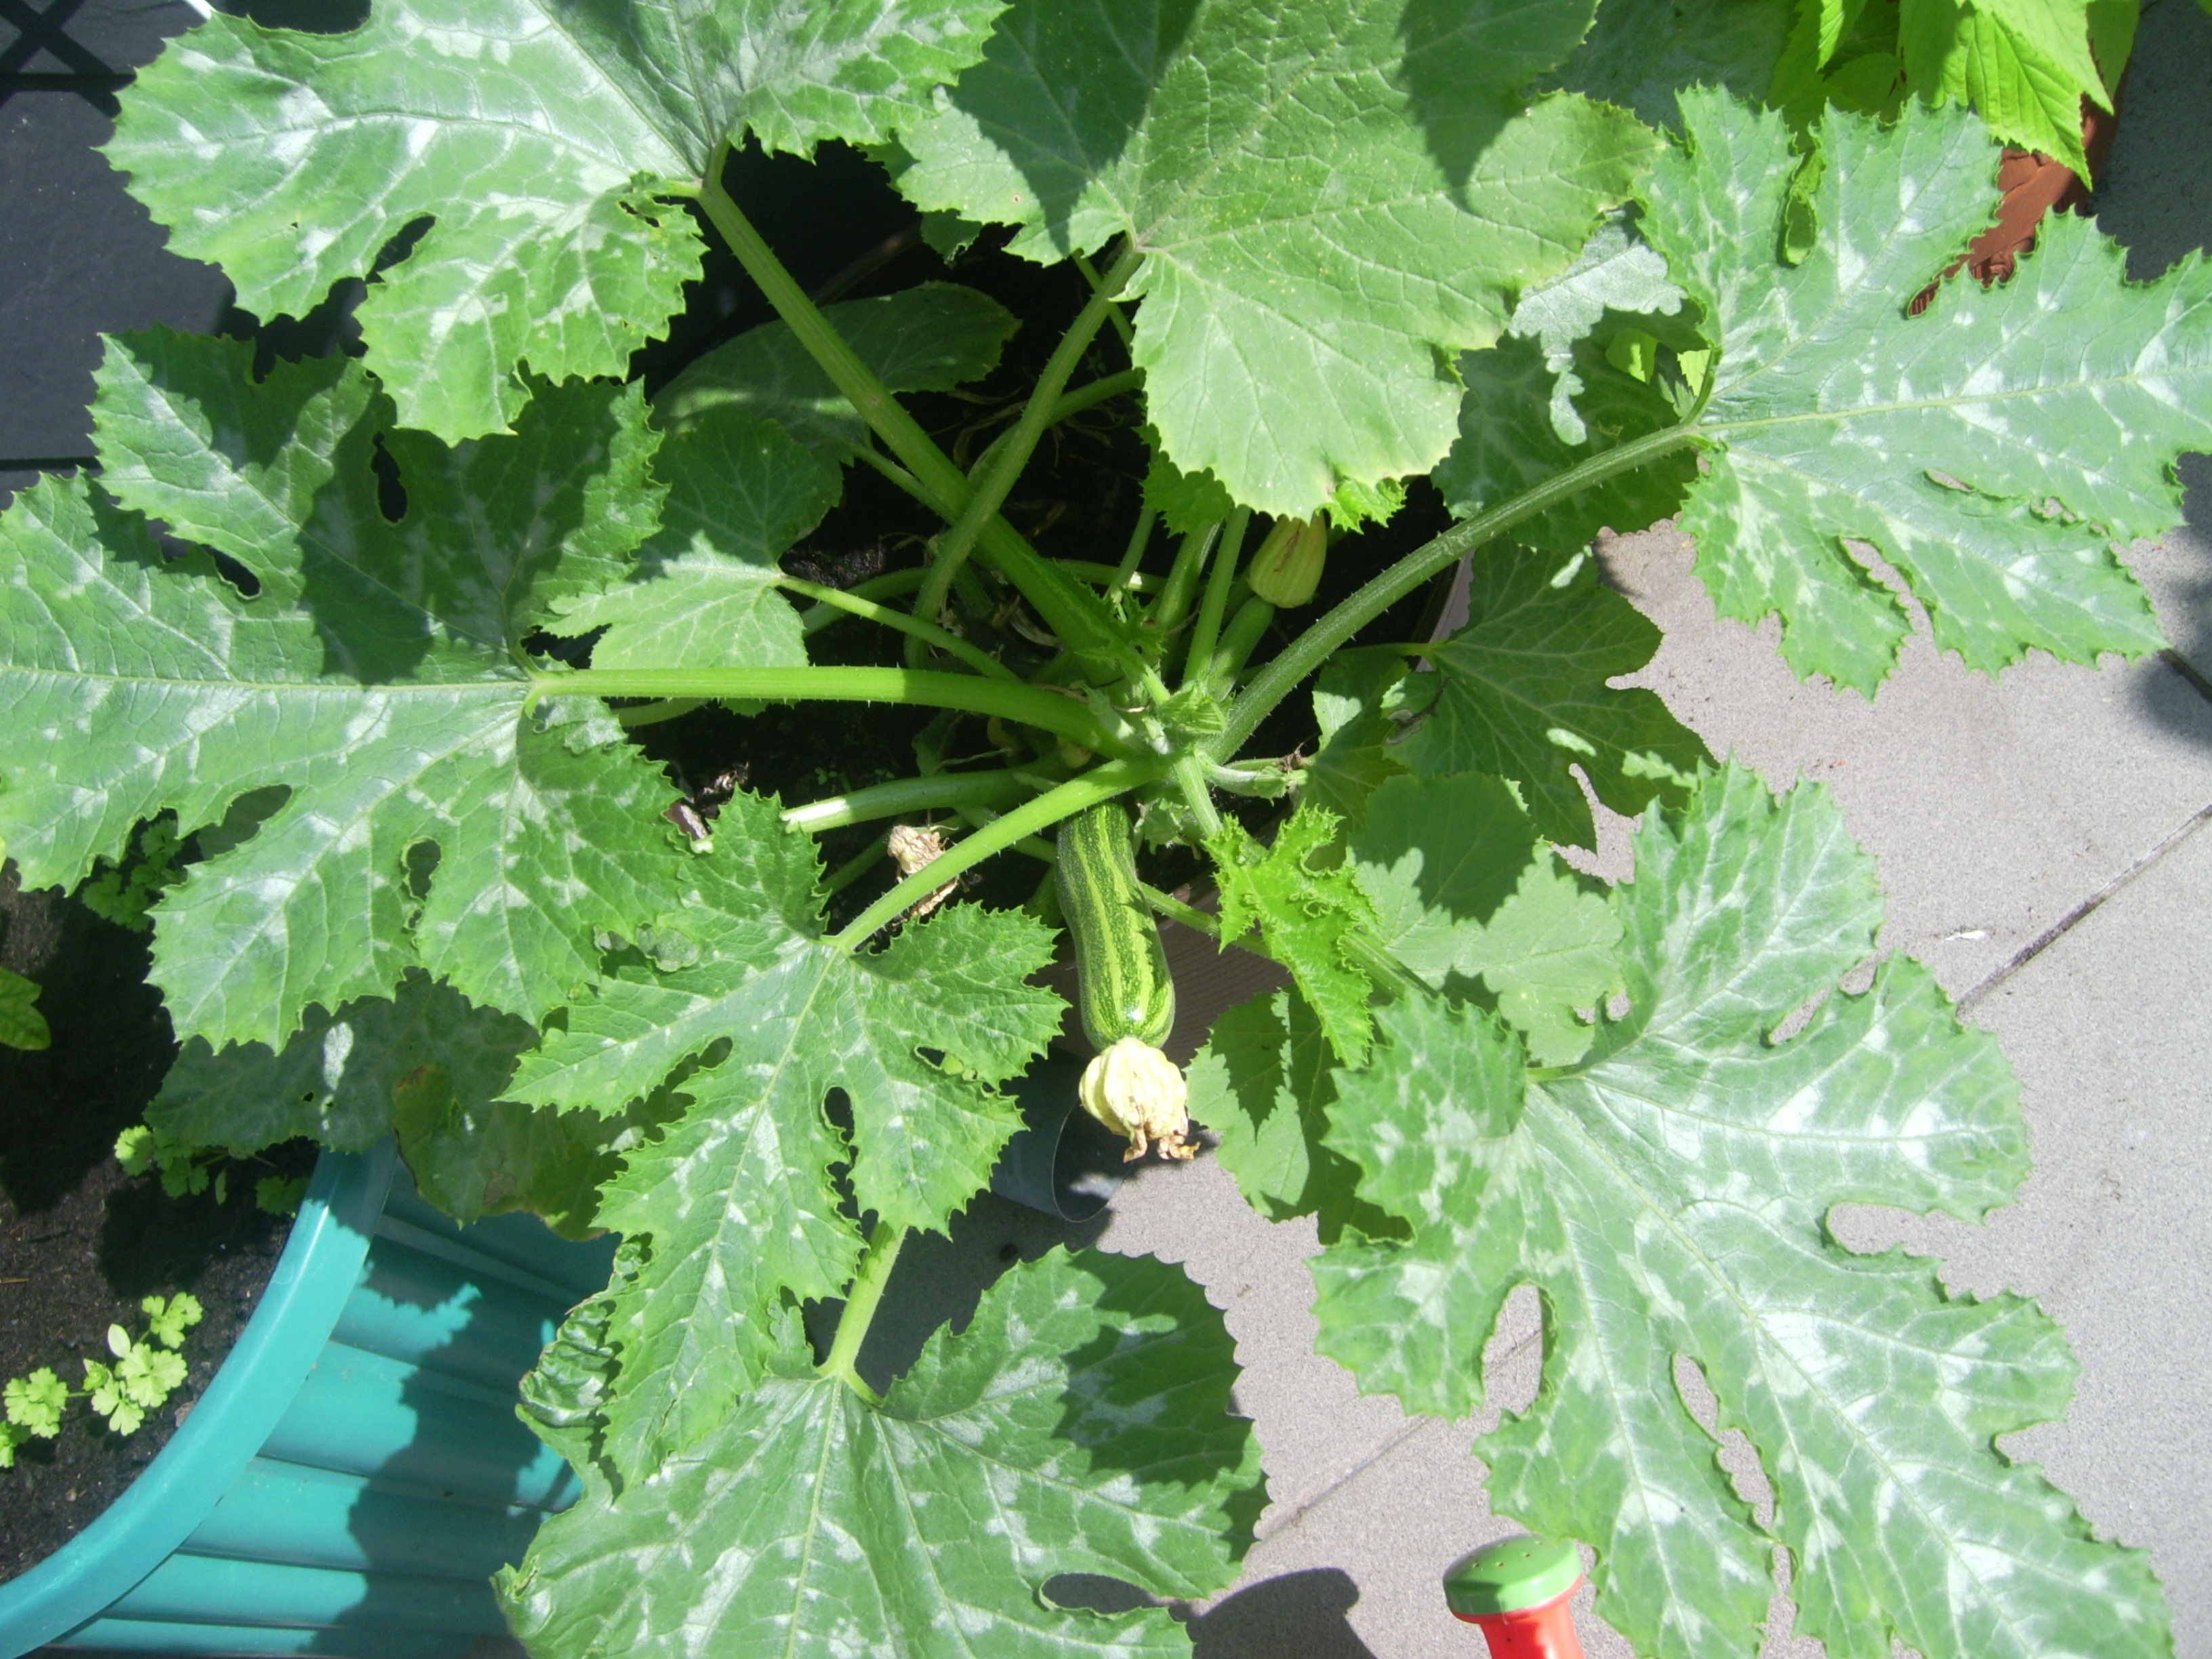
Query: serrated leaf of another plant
<point>1078,1424</point>
<point>1873,1397</point>
<point>533,137</point>
<point>1327,195</point>
<point>1522,694</point>
<point>740,492</point>
<point>1303,913</point>
<point>1838,417</point>
<point>2024,65</point>
<point>736,1198</point>
<point>374,676</point>
<point>1641,53</point>
<point>1462,890</point>
<point>931,337</point>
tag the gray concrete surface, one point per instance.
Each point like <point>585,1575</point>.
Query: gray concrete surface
<point>2043,841</point>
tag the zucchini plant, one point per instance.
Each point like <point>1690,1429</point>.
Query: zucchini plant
<point>389,631</point>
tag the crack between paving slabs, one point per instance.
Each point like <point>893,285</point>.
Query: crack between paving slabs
<point>2081,912</point>
<point>1292,1516</point>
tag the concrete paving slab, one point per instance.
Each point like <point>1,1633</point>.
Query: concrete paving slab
<point>1994,806</point>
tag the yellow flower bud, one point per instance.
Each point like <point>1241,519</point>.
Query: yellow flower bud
<point>1287,567</point>
<point>1136,1090</point>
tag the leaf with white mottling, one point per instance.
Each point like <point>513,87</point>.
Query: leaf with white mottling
<point>533,137</point>
<point>1669,1196</point>
<point>1078,1424</point>
<point>1332,197</point>
<point>1943,439</point>
<point>434,821</point>
<point>736,1198</point>
<point>1616,271</point>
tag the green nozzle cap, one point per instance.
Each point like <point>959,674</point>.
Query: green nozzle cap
<point>1511,1575</point>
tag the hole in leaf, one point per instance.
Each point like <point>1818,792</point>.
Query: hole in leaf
<point>1739,1458</point>
<point>390,492</point>
<point>242,820</point>
<point>419,864</point>
<point>1513,1358</point>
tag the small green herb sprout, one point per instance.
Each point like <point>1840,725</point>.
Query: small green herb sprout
<point>279,1196</point>
<point>124,892</point>
<point>168,1319</point>
<point>33,1406</point>
<point>146,1372</point>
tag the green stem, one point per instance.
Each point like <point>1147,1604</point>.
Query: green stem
<point>1190,778</point>
<point>1206,632</point>
<point>815,619</point>
<point>997,480</point>
<point>1174,602</point>
<point>1312,649</point>
<point>1108,577</point>
<point>1066,608</point>
<point>854,867</point>
<point>1124,576</point>
<point>1101,783</point>
<point>924,633</point>
<point>652,713</point>
<point>1097,282</point>
<point>902,795</point>
<point>970,694</point>
<point>1238,640</point>
<point>860,1303</point>
<point>1071,404</point>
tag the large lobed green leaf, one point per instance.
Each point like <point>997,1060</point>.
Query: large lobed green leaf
<point>1993,450</point>
<point>434,820</point>
<point>1079,1425</point>
<point>737,1199</point>
<point>1327,195</point>
<point>533,135</point>
<point>1669,1195</point>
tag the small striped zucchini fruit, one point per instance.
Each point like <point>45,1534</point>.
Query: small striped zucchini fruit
<point>1122,988</point>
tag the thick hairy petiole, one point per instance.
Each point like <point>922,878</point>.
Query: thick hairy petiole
<point>861,1301</point>
<point>1312,649</point>
<point>1101,783</point>
<point>997,479</point>
<point>969,694</point>
<point>939,791</point>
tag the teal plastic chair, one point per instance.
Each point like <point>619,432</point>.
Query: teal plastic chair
<point>356,1472</point>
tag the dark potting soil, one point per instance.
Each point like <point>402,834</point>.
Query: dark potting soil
<point>81,1242</point>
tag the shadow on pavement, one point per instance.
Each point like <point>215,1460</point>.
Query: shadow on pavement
<point>1299,1612</point>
